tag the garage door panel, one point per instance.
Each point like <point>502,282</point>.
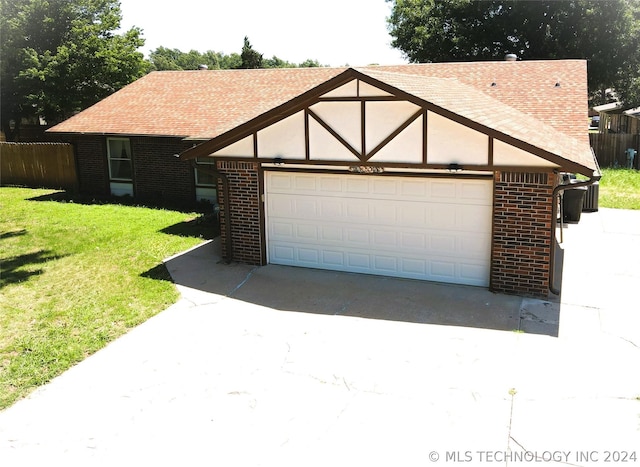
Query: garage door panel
<point>443,271</point>
<point>307,255</point>
<point>384,187</point>
<point>473,218</point>
<point>472,245</point>
<point>396,226</point>
<point>413,240</point>
<point>385,239</point>
<point>308,232</point>
<point>282,230</point>
<point>414,267</point>
<point>284,253</point>
<point>357,236</point>
<point>332,208</point>
<point>413,216</point>
<point>360,261</point>
<point>333,258</point>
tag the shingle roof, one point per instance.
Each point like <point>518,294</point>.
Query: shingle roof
<point>543,103</point>
<point>197,104</point>
<point>463,100</point>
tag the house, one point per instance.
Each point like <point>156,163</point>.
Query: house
<point>618,135</point>
<point>443,172</point>
<point>614,118</point>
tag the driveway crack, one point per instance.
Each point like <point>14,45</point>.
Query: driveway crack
<point>249,274</point>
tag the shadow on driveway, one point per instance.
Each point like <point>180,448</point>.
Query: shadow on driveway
<point>204,279</point>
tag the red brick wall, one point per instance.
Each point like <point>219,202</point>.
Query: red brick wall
<point>159,176</point>
<point>91,161</point>
<point>243,207</point>
<point>522,233</point>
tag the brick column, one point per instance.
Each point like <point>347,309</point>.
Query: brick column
<point>522,233</point>
<point>242,210</point>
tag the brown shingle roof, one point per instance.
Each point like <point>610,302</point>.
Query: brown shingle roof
<point>519,99</point>
<point>529,86</point>
<point>197,104</point>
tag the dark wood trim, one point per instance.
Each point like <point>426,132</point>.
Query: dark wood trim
<point>493,261</point>
<point>395,165</point>
<point>262,213</point>
<point>363,130</point>
<point>334,134</point>
<point>357,99</point>
<point>255,144</point>
<point>395,133</point>
<point>490,152</point>
<point>425,138</point>
<point>307,144</point>
<point>488,176</point>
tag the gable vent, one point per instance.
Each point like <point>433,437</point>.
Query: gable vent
<point>529,178</point>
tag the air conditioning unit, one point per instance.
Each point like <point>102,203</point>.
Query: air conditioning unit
<point>590,201</point>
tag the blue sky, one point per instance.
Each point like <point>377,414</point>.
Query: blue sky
<point>334,32</point>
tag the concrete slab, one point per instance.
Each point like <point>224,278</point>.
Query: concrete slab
<point>284,366</point>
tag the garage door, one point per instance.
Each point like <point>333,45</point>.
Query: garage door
<point>435,229</point>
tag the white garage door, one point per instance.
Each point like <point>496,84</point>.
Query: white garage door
<point>434,229</point>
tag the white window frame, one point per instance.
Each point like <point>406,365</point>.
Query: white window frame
<point>206,161</point>
<point>111,158</point>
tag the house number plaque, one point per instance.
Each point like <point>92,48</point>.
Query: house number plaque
<point>366,169</point>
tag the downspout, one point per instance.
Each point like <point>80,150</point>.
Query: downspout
<point>597,175</point>
<point>225,191</point>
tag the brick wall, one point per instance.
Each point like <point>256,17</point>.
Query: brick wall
<point>159,176</point>
<point>243,207</point>
<point>91,161</point>
<point>522,233</point>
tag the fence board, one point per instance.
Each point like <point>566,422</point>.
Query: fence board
<point>610,148</point>
<point>49,165</point>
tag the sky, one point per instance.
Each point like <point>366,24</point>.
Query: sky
<point>334,32</point>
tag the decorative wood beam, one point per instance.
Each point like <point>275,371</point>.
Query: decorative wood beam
<point>395,133</point>
<point>334,134</point>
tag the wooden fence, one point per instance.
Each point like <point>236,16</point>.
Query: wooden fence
<point>47,165</point>
<point>610,148</point>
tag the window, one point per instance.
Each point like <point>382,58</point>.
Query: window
<point>119,153</point>
<point>205,178</point>
<point>206,181</point>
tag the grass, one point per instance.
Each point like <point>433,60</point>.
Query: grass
<point>620,188</point>
<point>74,277</point>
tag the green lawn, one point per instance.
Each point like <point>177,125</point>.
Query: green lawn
<point>73,277</point>
<point>620,188</point>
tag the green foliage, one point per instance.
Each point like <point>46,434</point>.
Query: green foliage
<point>173,59</point>
<point>607,33</point>
<point>61,56</point>
<point>250,58</point>
<point>619,188</point>
<point>76,276</point>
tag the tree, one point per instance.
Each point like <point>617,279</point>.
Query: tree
<point>250,57</point>
<point>61,56</point>
<point>173,59</point>
<point>605,32</point>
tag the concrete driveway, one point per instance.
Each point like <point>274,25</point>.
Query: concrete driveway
<point>285,366</point>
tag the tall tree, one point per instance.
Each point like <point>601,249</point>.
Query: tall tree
<point>61,56</point>
<point>250,57</point>
<point>605,32</point>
